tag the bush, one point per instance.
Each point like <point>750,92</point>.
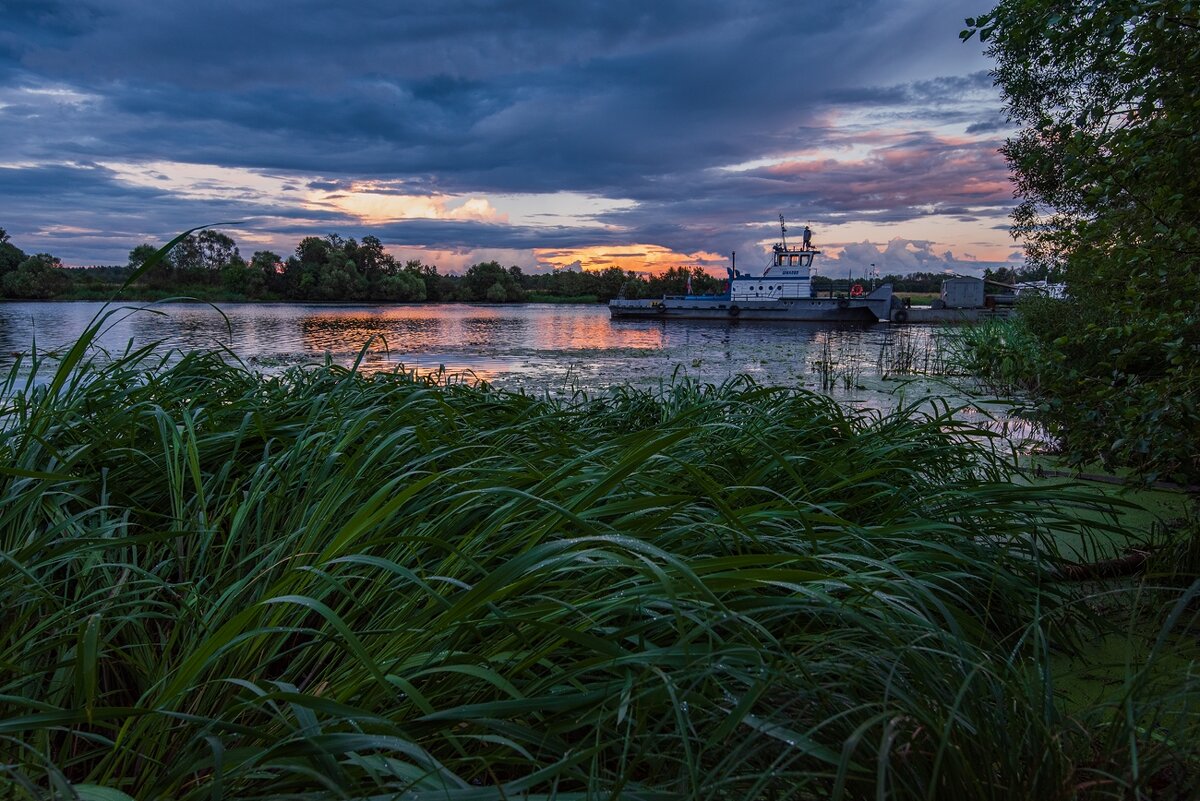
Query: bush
<point>38,277</point>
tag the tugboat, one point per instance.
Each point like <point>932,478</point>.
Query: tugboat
<point>783,292</point>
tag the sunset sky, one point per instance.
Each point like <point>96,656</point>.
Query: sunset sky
<point>636,133</point>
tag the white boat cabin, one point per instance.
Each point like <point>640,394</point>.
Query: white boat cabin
<point>789,276</point>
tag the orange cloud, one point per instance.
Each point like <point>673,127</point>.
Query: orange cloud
<point>638,258</point>
<point>372,205</point>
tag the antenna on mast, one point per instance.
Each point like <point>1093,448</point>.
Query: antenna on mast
<point>783,231</point>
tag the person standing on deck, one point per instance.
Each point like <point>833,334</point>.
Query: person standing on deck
<point>807,237</point>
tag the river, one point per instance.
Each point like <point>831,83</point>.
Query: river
<point>538,348</point>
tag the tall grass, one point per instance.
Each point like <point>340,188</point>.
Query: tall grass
<point>911,351</point>
<point>1002,353</point>
<point>842,368</point>
<point>322,585</point>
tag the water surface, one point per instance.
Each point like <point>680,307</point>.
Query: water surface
<point>537,348</point>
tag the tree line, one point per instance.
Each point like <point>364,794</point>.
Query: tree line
<point>209,264</point>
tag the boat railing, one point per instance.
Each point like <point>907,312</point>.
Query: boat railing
<point>842,286</point>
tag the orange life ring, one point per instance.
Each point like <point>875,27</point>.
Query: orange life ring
<point>856,291</point>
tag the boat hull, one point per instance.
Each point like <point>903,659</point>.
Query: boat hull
<point>868,309</point>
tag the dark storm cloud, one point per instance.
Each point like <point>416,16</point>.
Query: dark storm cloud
<point>994,125</point>
<point>142,212</point>
<point>909,178</point>
<point>621,99</point>
<point>451,234</point>
<point>108,216</point>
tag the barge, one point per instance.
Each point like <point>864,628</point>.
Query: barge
<point>784,291</point>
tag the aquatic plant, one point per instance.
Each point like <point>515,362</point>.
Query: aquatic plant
<point>917,351</point>
<point>1001,353</point>
<point>324,585</point>
<point>844,367</point>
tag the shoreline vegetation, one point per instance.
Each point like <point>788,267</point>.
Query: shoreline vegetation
<point>207,265</point>
<point>324,584</point>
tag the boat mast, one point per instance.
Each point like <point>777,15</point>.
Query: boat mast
<point>783,231</point>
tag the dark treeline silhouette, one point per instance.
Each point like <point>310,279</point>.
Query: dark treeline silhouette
<point>210,265</point>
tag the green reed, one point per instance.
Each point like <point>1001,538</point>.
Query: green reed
<point>1002,353</point>
<point>841,368</point>
<point>326,585</point>
<point>919,351</point>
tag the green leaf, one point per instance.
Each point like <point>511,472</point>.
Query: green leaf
<point>94,792</point>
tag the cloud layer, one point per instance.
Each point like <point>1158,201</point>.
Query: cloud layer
<point>524,127</point>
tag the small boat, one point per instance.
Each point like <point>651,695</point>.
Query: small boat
<point>783,292</point>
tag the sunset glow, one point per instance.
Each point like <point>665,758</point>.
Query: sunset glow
<point>647,259</point>
<point>375,207</point>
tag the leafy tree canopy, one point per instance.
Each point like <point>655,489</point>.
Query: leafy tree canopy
<point>11,256</point>
<point>1106,95</point>
<point>39,276</point>
<point>1104,165</point>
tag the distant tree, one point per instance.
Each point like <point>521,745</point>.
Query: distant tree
<point>635,287</point>
<point>326,269</point>
<point>488,281</point>
<point>302,270</point>
<point>312,250</point>
<point>186,256</point>
<point>243,279</point>
<point>438,287</point>
<point>513,293</point>
<point>160,275</point>
<point>609,282</point>
<point>139,255</point>
<point>216,249</point>
<point>428,277</point>
<point>10,255</point>
<point>199,257</point>
<point>38,277</point>
<point>673,281</point>
<point>403,287</point>
<point>373,260</point>
<point>270,266</point>
<point>266,261</point>
<point>340,279</point>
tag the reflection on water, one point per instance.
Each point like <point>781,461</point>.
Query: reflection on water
<point>538,348</point>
